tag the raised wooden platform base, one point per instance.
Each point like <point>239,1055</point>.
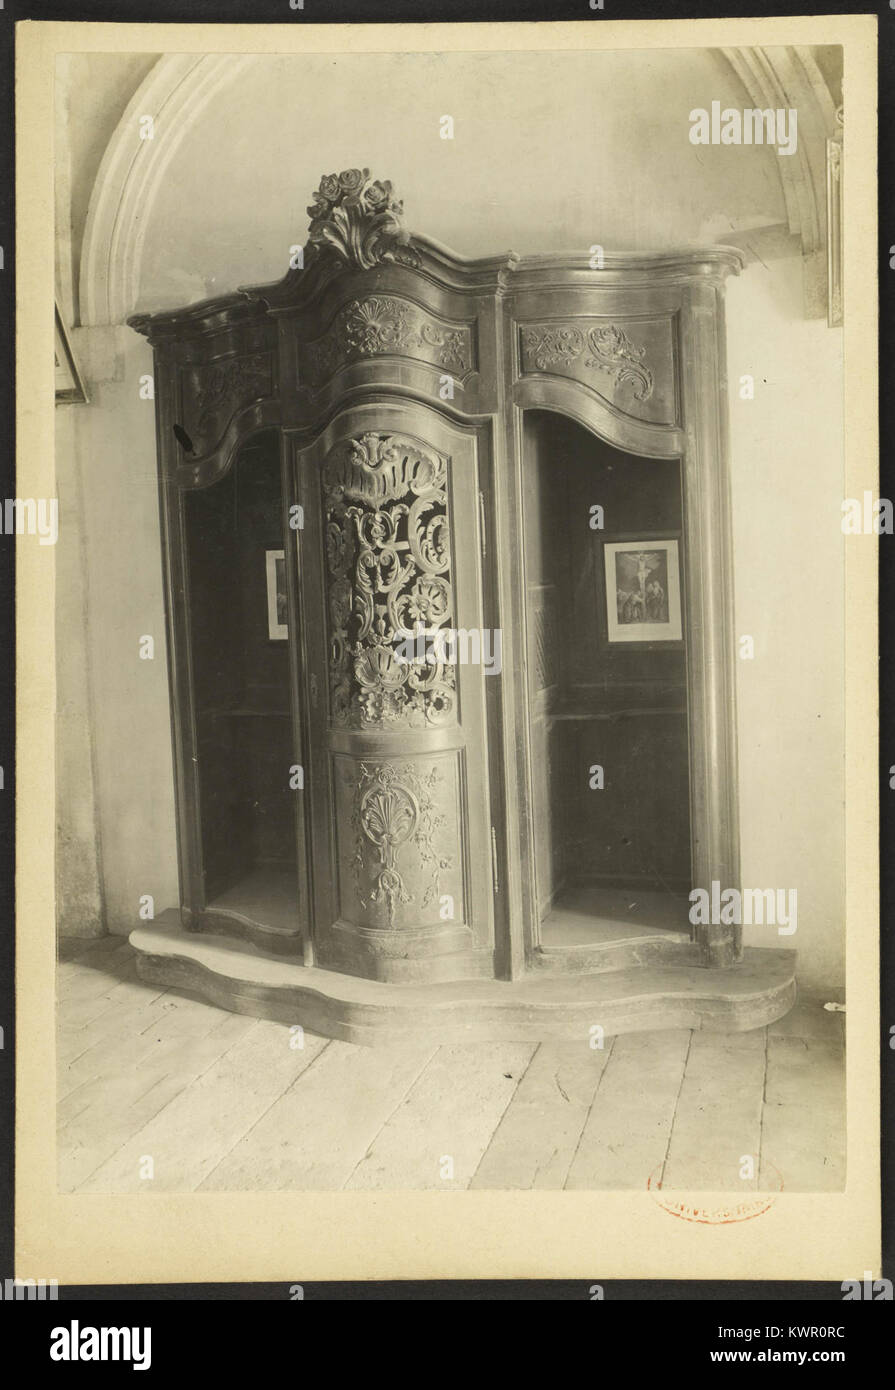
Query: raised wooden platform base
<point>538,1008</point>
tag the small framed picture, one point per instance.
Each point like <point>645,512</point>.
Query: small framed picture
<point>277,630</point>
<point>643,591</point>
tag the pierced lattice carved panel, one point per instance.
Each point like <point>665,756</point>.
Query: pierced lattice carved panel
<point>631,365</point>
<point>388,578</point>
<point>399,847</point>
<point>387,326</point>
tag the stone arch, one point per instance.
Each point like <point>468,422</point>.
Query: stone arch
<point>789,77</point>
<point>180,86</point>
<point>176,91</point>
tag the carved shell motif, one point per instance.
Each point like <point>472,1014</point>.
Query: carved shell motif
<point>395,806</point>
<point>381,325</point>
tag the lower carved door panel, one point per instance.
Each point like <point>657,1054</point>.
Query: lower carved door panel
<point>391,614</point>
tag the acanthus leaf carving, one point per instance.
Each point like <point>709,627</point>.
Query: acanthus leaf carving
<point>551,347</point>
<point>451,343</point>
<point>610,350</point>
<point>614,352</point>
<point>380,325</point>
<point>388,561</point>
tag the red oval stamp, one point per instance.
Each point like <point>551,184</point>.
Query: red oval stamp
<point>704,1214</point>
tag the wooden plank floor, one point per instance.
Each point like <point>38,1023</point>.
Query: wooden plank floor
<point>157,1091</point>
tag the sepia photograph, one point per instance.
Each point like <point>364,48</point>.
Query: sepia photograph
<point>450,669</point>
<point>530,962</point>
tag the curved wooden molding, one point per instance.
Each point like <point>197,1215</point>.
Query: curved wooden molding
<point>175,93</point>
<point>599,416</point>
<point>668,993</point>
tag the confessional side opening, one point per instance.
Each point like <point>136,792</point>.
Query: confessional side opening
<point>608,724</point>
<point>241,689</point>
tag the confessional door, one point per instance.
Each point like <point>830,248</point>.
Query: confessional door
<point>395,653</point>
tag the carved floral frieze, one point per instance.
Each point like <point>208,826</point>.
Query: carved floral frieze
<point>382,325</point>
<point>552,347</point>
<point>388,576</point>
<point>216,392</point>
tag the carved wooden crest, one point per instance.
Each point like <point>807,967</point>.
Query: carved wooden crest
<point>359,219</point>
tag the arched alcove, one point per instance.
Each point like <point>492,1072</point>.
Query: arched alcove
<point>146,243</point>
<point>607,668</point>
